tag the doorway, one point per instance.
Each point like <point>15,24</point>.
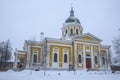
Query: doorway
<point>88,62</point>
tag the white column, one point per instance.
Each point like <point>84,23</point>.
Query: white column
<point>75,56</point>
<point>99,55</point>
<point>107,59</point>
<point>109,56</point>
<point>92,56</point>
<point>84,55</point>
<point>28,56</point>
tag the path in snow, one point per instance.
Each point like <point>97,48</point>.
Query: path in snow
<point>59,75</point>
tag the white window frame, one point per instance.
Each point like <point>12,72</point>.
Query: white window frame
<point>80,53</point>
<point>66,51</point>
<point>55,50</point>
<point>35,52</point>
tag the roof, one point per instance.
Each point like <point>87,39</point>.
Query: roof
<point>72,18</point>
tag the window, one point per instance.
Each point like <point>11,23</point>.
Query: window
<point>55,57</point>
<point>65,55</point>
<point>88,55</point>
<point>77,31</point>
<point>96,60</point>
<point>65,58</point>
<point>103,60</point>
<point>66,30</point>
<point>35,58</point>
<point>79,58</point>
<point>71,31</point>
<point>22,60</point>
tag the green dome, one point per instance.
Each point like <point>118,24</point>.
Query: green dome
<point>72,17</point>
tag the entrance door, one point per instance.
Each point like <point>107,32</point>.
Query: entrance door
<point>88,62</point>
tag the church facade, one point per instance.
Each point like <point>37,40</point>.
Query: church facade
<point>74,50</point>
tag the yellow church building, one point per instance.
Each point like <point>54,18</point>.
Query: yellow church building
<point>74,50</point>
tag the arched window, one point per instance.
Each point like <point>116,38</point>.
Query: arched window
<point>77,31</point>
<point>103,60</point>
<point>65,58</point>
<point>79,58</point>
<point>55,57</point>
<point>35,58</point>
<point>22,60</point>
<point>88,55</point>
<point>66,31</point>
<point>71,31</point>
<point>95,60</point>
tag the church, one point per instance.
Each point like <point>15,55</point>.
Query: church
<point>73,51</point>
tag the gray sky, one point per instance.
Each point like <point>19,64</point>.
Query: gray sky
<point>22,19</point>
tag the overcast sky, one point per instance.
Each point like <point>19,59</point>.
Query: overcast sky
<point>23,19</point>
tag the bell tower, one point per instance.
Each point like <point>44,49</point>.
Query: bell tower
<point>71,27</point>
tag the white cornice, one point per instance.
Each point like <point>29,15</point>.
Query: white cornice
<point>79,37</point>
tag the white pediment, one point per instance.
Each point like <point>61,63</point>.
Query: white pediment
<point>87,37</point>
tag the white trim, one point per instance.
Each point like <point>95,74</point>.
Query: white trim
<point>65,51</point>
<point>78,58</point>
<point>75,60</point>
<point>84,55</point>
<point>79,53</point>
<point>99,56</point>
<point>87,43</point>
<point>55,64</point>
<point>36,46</point>
<point>92,56</point>
<point>34,52</point>
<point>28,56</point>
<point>61,44</point>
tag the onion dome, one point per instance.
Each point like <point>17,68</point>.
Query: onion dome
<point>72,18</point>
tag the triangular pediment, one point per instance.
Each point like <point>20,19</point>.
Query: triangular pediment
<point>87,37</point>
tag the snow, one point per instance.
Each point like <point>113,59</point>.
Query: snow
<point>59,75</point>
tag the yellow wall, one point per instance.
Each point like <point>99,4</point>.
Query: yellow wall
<point>19,56</point>
<point>31,53</point>
<point>60,54</point>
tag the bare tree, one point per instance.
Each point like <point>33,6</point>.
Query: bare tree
<point>5,52</point>
<point>116,46</point>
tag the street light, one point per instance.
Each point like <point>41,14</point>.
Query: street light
<point>15,61</point>
<point>2,58</point>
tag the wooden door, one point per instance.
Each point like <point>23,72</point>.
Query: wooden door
<point>88,62</point>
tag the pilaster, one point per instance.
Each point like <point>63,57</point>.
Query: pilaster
<point>92,56</point>
<point>84,55</point>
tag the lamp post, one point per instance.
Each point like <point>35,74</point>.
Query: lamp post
<point>15,61</point>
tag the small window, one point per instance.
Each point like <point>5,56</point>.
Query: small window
<point>96,60</point>
<point>71,31</point>
<point>66,31</point>
<point>77,31</point>
<point>55,57</point>
<point>79,58</point>
<point>65,58</point>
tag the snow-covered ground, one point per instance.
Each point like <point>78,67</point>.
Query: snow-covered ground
<point>59,75</point>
